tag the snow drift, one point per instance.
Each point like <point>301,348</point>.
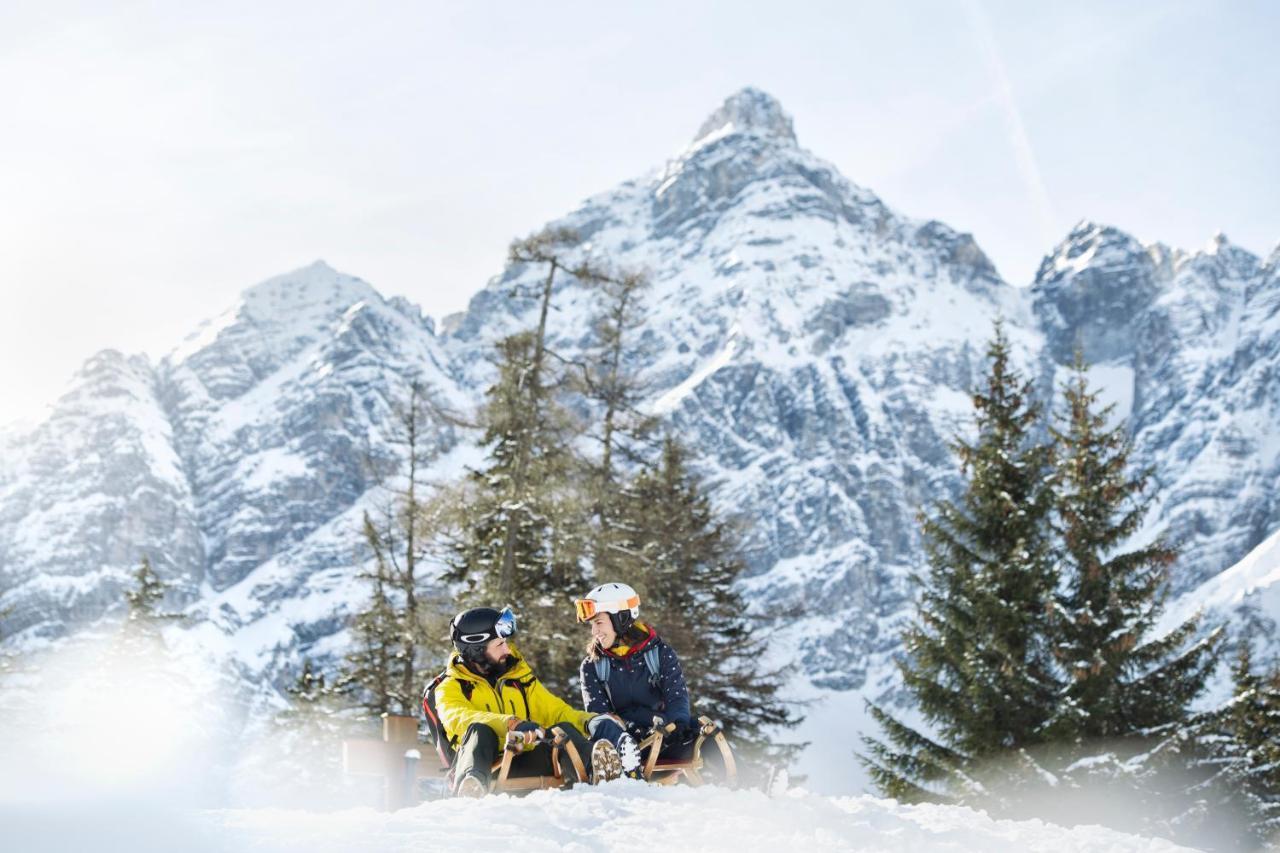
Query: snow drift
<point>618,816</point>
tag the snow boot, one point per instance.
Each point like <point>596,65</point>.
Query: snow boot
<point>471,787</point>
<point>605,763</point>
<point>629,756</point>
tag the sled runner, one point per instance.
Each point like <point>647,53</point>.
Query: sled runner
<point>561,748</point>
<point>670,771</point>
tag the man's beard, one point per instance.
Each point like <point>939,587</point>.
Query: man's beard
<point>489,669</point>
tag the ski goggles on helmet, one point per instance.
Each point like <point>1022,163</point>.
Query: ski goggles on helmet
<point>503,626</point>
<point>588,607</point>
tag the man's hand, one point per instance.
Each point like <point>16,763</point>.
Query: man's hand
<point>530,731</point>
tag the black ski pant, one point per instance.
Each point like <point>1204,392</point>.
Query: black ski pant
<point>479,749</point>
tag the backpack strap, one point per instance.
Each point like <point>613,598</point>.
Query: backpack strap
<point>653,662</point>
<point>602,673</point>
<point>443,747</point>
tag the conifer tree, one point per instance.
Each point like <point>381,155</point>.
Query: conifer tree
<point>144,599</point>
<point>1121,680</point>
<point>145,617</point>
<point>528,390</point>
<point>526,526</point>
<point>394,628</point>
<point>1242,745</point>
<point>618,393</point>
<point>309,687</point>
<point>314,707</point>
<point>522,537</point>
<point>371,672</point>
<point>401,541</point>
<point>684,564</point>
<point>978,665</point>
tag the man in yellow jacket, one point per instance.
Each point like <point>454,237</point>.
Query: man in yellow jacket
<point>489,690</point>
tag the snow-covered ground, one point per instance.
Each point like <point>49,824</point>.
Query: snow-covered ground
<point>137,752</point>
<point>621,816</point>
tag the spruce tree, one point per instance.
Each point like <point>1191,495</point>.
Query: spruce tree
<point>522,520</point>
<point>309,687</point>
<point>682,560</point>
<point>978,665</point>
<point>315,712</point>
<point>1122,681</point>
<point>371,672</point>
<point>144,616</point>
<point>1241,744</point>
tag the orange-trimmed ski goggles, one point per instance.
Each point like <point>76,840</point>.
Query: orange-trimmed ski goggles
<point>588,607</point>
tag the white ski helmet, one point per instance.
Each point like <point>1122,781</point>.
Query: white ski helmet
<point>619,600</point>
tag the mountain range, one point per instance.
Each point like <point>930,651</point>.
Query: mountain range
<point>813,345</point>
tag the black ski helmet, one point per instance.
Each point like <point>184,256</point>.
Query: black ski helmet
<point>471,630</point>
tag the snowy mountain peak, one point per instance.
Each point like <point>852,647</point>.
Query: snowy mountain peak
<point>1273,260</point>
<point>747,111</point>
<point>317,285</point>
<point>274,318</point>
<point>1090,244</point>
<point>1226,264</point>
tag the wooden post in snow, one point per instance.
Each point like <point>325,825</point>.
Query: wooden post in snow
<point>399,758</point>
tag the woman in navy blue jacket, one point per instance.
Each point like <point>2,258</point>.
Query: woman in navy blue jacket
<point>630,675</point>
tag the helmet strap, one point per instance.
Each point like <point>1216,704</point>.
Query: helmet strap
<point>621,621</point>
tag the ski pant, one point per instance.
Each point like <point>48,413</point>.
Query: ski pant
<point>479,749</point>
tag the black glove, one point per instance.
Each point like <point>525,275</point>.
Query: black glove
<point>530,733</point>
<point>686,730</point>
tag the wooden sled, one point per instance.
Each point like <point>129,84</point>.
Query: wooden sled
<point>693,769</point>
<point>502,782</point>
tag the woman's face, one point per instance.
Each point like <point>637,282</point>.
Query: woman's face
<point>602,630</point>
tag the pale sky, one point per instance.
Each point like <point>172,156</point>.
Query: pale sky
<point>156,159</point>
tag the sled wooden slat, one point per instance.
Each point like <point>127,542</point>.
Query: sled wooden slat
<point>579,770</point>
<point>560,746</point>
<point>670,771</point>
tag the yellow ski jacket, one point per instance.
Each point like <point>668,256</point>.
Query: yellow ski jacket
<point>465,698</point>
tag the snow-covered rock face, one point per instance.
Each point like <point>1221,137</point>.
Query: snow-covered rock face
<point>1195,336</point>
<point>262,427</point>
<point>86,494</point>
<point>814,345</point>
<point>1090,292</point>
<point>280,408</point>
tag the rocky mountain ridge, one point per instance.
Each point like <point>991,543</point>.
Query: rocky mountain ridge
<point>814,345</point>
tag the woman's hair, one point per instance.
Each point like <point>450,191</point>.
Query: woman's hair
<point>631,636</point>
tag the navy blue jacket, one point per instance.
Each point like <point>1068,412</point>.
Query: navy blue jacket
<point>634,699</point>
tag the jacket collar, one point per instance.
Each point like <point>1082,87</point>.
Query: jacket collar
<point>622,652</point>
